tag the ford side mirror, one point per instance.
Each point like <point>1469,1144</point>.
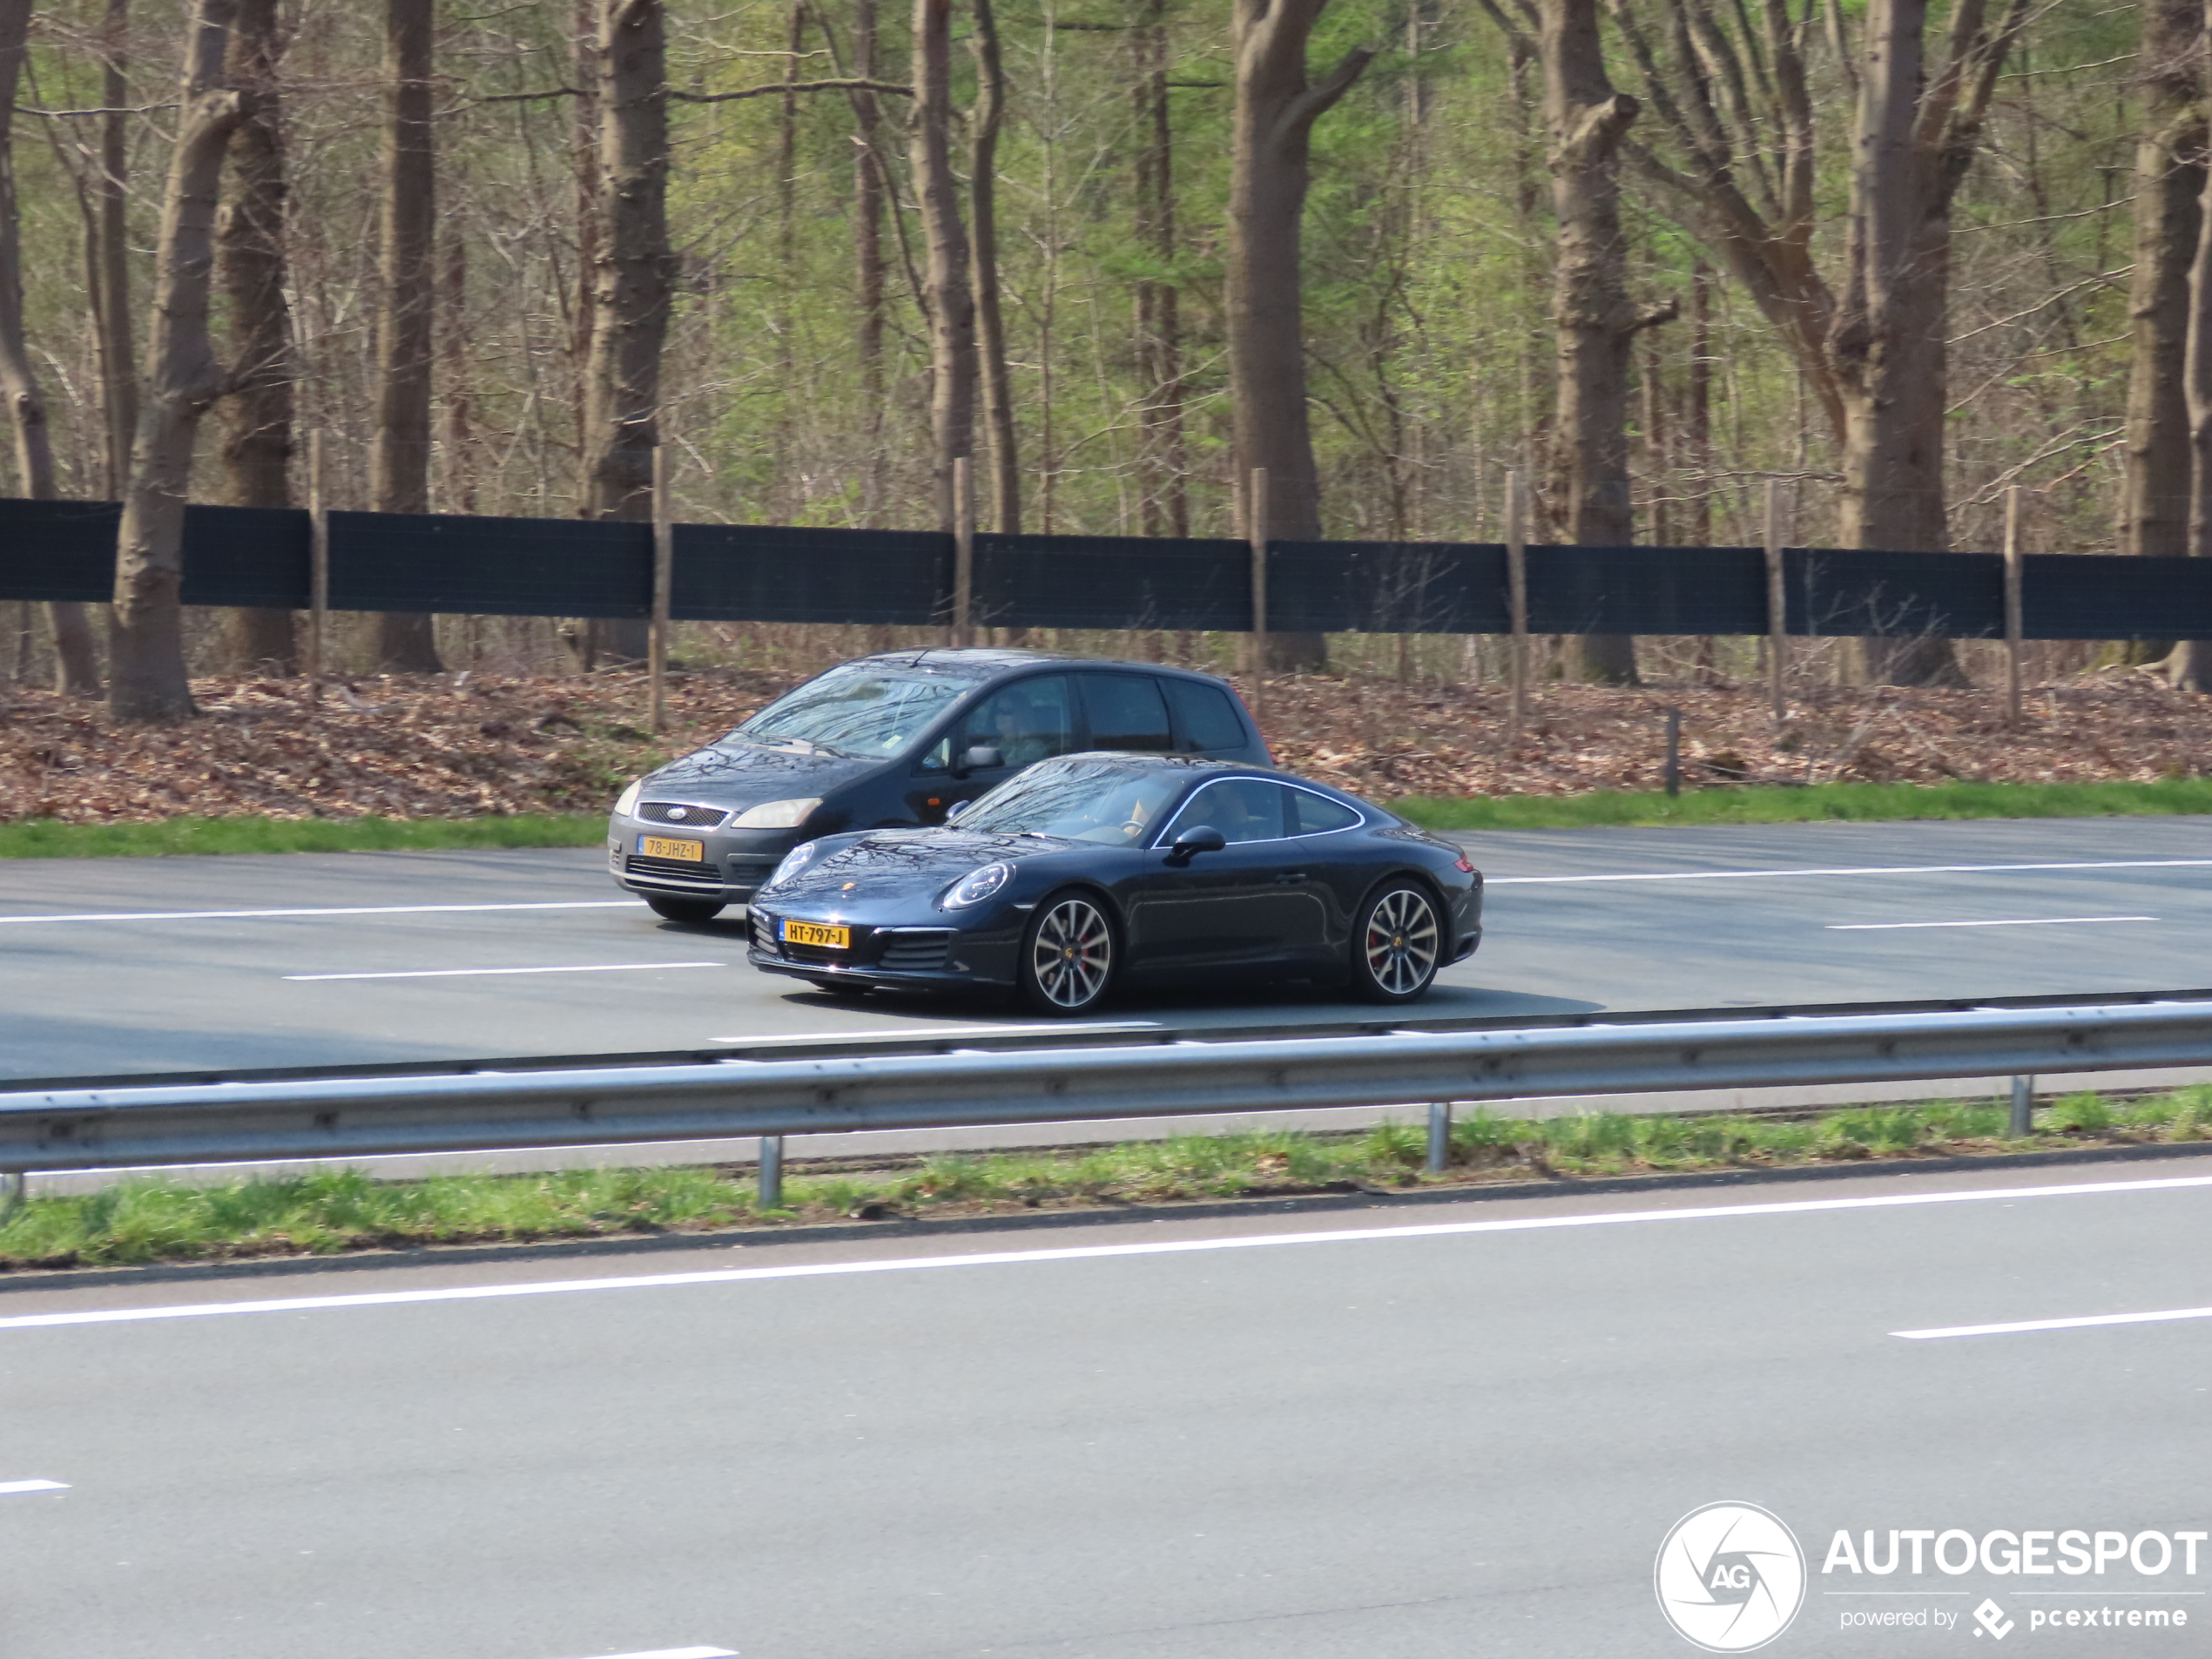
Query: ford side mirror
<point>980,757</point>
<point>1199,838</point>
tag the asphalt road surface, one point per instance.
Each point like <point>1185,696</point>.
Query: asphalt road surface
<point>1419,1433</point>
<point>149,965</point>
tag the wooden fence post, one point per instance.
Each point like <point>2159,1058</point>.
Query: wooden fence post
<point>2012,604</point>
<point>1255,516</point>
<point>963,552</point>
<point>1777,606</point>
<point>1517,603</point>
<point>318,568</point>
<point>663,574</point>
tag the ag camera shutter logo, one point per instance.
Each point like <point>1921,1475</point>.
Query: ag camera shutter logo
<point>1729,1577</point>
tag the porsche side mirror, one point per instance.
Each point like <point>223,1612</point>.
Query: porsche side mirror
<point>956,809</point>
<point>1199,838</point>
<point>980,757</point>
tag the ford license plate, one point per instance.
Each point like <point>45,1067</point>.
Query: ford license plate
<point>808,932</point>
<point>659,847</point>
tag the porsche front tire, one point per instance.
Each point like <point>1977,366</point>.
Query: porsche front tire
<point>1068,957</point>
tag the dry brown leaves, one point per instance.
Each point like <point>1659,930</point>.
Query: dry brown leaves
<point>464,746</point>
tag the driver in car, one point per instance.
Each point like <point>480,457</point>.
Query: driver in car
<point>1019,730</point>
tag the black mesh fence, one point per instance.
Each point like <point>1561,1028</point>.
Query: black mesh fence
<point>547,567</point>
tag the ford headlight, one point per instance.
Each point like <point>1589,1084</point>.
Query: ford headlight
<point>977,885</point>
<point>776,814</point>
<point>626,803</point>
<point>795,860</point>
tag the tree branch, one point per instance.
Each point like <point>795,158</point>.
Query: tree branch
<point>1312,104</point>
<point>777,89</point>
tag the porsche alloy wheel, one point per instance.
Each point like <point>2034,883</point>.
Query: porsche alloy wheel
<point>1397,946</point>
<point>1068,957</point>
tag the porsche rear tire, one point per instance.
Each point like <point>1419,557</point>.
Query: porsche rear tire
<point>1068,957</point>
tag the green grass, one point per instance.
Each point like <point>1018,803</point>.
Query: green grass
<point>153,1220</point>
<point>1817,803</point>
<point>50,838</point>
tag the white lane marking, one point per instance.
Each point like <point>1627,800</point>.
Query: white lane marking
<point>1871,869</point>
<point>921,1031</point>
<point>328,910</point>
<point>2083,1324</point>
<point>2033,922</point>
<point>1080,1252</point>
<point>465,973</point>
<point>33,1486</point>
<point>708,1653</point>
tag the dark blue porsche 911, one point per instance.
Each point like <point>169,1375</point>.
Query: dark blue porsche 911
<point>1095,870</point>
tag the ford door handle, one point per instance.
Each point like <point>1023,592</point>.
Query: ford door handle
<point>1289,878</point>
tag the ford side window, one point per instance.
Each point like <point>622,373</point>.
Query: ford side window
<point>1026,722</point>
<point>1204,718</point>
<point>1126,712</point>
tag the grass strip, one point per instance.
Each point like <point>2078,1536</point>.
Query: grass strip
<point>1814,803</point>
<point>46,838</point>
<point>1818,803</point>
<point>144,1220</point>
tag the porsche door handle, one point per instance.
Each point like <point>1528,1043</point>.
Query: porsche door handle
<point>1289,878</point>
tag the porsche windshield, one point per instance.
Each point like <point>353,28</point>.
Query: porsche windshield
<point>1078,801</point>
<point>863,709</point>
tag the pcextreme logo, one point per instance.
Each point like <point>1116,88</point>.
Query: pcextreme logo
<point>1729,1577</point>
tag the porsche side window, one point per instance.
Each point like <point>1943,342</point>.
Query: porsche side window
<point>1318,814</point>
<point>1243,809</point>
<point>1026,722</point>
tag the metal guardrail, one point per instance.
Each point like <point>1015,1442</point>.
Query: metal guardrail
<point>106,1128</point>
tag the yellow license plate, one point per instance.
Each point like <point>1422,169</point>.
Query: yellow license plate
<point>807,933</point>
<point>654,846</point>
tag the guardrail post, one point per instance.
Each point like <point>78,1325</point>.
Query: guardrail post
<point>963,552</point>
<point>1257,528</point>
<point>1672,777</point>
<point>1440,1136</point>
<point>772,1172</point>
<point>12,1185</point>
<point>2023,1123</point>
<point>1777,623</point>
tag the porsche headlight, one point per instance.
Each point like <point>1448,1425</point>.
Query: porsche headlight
<point>626,803</point>
<point>795,860</point>
<point>776,814</point>
<point>977,885</point>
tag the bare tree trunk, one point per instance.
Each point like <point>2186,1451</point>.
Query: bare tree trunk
<point>1163,471</point>
<point>998,390</point>
<point>585,160</point>
<point>868,190</point>
<point>406,332</point>
<point>949,300</point>
<point>1887,339</point>
<point>460,457</point>
<point>1272,128</point>
<point>146,641</point>
<point>1596,323</point>
<point>256,437</point>
<point>2169,179</point>
<point>2190,665</point>
<point>111,262</point>
<point>635,282</point>
<point>78,671</point>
